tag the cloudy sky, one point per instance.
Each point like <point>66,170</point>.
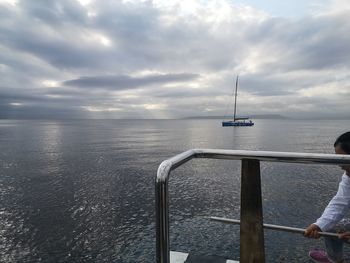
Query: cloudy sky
<point>173,59</point>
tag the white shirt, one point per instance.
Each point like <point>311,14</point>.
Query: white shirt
<point>337,207</point>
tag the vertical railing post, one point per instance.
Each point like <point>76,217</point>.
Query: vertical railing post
<point>251,231</point>
<point>162,222</point>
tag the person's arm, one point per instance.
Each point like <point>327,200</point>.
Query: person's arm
<point>334,211</point>
<point>337,207</point>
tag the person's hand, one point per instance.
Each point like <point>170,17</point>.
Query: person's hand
<point>313,231</point>
<point>345,235</point>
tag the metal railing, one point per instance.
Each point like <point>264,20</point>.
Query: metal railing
<point>251,230</point>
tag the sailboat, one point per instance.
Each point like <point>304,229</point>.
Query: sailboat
<point>241,121</point>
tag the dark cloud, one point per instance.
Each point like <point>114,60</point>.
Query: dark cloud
<point>127,82</point>
<point>40,112</point>
<point>53,12</point>
<point>7,98</point>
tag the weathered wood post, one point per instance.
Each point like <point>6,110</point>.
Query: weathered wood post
<point>251,232</point>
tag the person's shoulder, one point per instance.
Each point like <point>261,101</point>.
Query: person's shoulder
<point>345,178</point>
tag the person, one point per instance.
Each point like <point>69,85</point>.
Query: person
<point>332,219</point>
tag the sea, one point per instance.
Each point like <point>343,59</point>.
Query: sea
<point>83,190</point>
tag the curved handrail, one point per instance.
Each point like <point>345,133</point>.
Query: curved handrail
<point>163,173</point>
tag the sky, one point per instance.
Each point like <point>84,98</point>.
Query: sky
<point>173,59</point>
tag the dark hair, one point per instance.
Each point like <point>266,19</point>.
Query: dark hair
<point>344,142</point>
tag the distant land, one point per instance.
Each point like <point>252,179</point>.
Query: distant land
<point>257,116</point>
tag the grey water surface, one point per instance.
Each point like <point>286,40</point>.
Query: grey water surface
<point>83,190</point>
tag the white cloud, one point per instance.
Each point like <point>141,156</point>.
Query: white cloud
<point>338,6</point>
<point>16,104</point>
<point>84,2</point>
<point>323,91</point>
<point>100,109</point>
<point>9,2</point>
<point>154,106</point>
<point>50,83</point>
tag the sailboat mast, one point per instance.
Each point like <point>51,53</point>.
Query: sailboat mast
<point>234,113</point>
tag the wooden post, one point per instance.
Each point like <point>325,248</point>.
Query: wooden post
<point>251,232</point>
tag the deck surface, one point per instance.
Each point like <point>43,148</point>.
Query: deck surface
<point>180,257</point>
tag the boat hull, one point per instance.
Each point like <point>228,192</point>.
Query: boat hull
<point>236,123</point>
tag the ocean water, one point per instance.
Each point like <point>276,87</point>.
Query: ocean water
<point>83,190</point>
